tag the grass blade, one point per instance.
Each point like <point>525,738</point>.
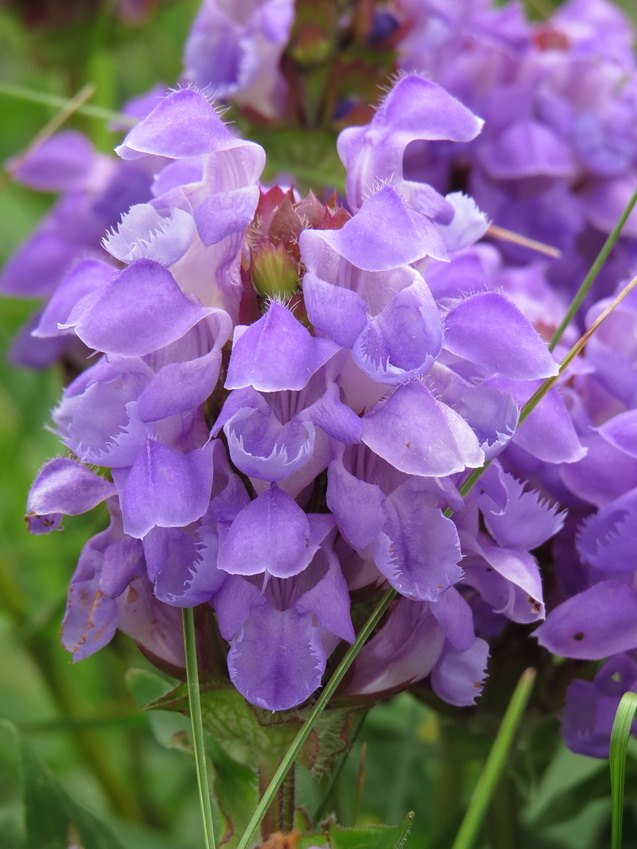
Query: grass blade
<point>495,763</point>
<point>617,760</point>
<point>194,700</point>
<point>594,270</point>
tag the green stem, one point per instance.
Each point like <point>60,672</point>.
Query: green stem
<point>502,817</point>
<point>308,725</point>
<point>194,701</point>
<point>595,268</point>
<point>496,762</point>
<point>58,102</point>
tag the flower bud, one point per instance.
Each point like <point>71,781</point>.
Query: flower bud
<point>274,274</point>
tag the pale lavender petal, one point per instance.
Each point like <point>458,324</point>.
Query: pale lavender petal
<point>276,353</point>
<point>63,487</point>
<point>144,233</point>
<point>272,534</point>
<point>407,236</point>
<point>525,149</point>
<point>404,650</point>
<point>356,505</point>
<point>178,387</point>
<point>455,618</point>
<point>467,225</point>
<point>621,432</point>
<point>182,124</point>
<point>225,213</point>
<point>61,163</point>
<point>166,488</point>
<point>459,675</point>
<point>403,340</point>
<point>123,561</point>
<point>608,538</point>
<point>489,330</point>
<point>418,549</point>
<point>337,419</point>
<point>593,624</point>
<point>277,660</point>
<point>333,310</point>
<point>88,276</point>
<point>328,599</point>
<point>419,435</point>
<point>526,521</point>
<point>140,310</point>
<point>184,565</point>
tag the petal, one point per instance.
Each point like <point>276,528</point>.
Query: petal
<point>459,675</point>
<point>526,521</point>
<point>608,539</point>
<point>276,353</point>
<point>338,313</point>
<point>166,488</point>
<point>621,432</point>
<point>489,330</point>
<point>357,506</point>
<point>593,624</point>
<point>405,649</point>
<point>328,599</point>
<point>277,661</point>
<point>419,435</point>
<point>403,340</point>
<point>140,310</point>
<point>63,487</point>
<point>407,236</point>
<point>88,276</point>
<point>182,124</point>
<point>272,534</point>
<point>418,549</point>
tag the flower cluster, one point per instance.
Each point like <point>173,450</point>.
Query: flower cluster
<point>292,390</point>
<point>275,453</point>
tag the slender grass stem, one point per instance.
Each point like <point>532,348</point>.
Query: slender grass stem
<point>594,270</point>
<point>617,761</point>
<point>58,102</point>
<point>194,700</point>
<point>306,729</point>
<point>495,764</point>
<point>67,109</point>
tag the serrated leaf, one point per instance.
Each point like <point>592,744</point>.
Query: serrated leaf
<point>371,837</point>
<point>236,789</point>
<point>251,735</point>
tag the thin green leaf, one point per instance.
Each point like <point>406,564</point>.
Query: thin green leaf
<point>317,710</point>
<point>595,268</point>
<point>617,760</point>
<point>49,812</point>
<point>495,763</point>
<point>192,675</point>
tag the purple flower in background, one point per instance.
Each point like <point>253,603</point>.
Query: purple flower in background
<point>233,51</point>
